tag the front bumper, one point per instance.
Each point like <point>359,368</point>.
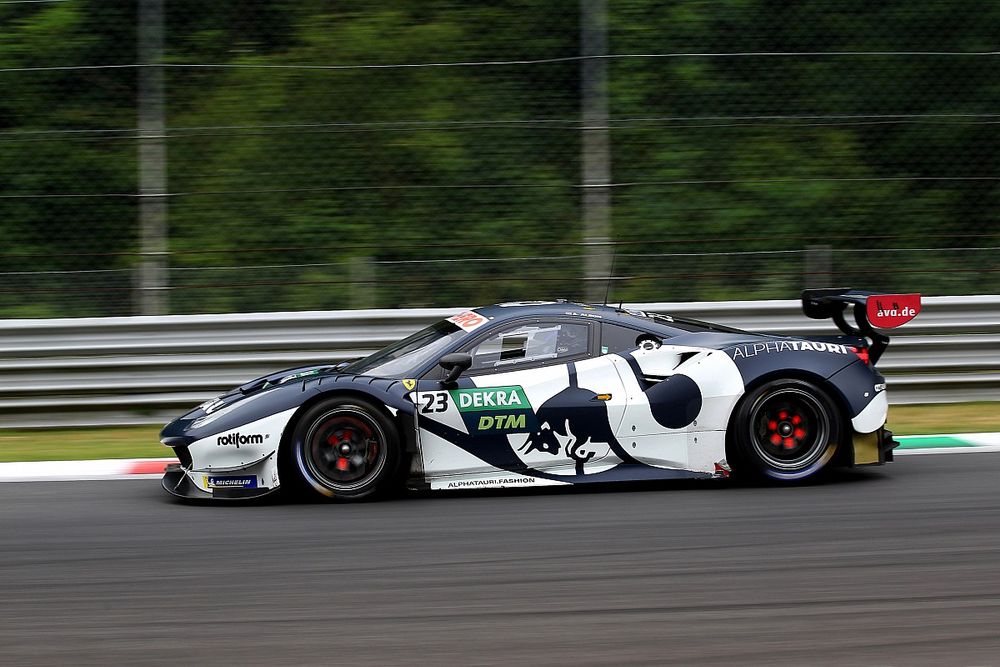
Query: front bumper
<point>235,464</point>
<point>177,482</point>
<point>874,448</point>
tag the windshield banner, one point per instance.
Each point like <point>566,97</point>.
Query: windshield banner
<point>469,320</point>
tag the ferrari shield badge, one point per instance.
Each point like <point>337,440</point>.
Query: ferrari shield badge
<point>409,384</point>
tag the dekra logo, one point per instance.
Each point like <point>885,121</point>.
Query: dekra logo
<point>240,439</point>
<point>482,399</point>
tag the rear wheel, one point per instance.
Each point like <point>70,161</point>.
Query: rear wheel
<point>343,449</point>
<point>786,430</point>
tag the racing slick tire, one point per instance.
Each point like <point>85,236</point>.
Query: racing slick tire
<point>786,430</point>
<point>341,449</point>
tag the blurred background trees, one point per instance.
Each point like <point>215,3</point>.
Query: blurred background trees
<point>755,147</point>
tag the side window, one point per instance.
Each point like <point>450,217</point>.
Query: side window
<point>526,343</point>
<point>618,340</point>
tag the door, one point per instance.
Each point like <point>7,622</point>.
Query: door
<point>535,401</point>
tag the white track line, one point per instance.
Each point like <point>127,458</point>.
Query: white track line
<point>962,443</point>
<point>976,449</point>
<point>113,469</point>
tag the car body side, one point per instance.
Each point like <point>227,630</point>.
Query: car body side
<point>229,447</point>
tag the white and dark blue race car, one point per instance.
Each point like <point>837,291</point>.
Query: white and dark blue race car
<point>535,393</point>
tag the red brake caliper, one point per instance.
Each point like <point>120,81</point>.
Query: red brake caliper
<point>799,432</point>
<point>342,463</point>
<point>785,434</point>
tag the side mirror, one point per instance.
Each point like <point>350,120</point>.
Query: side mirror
<point>455,363</point>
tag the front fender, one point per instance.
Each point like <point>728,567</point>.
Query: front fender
<point>228,447</point>
<point>235,409</point>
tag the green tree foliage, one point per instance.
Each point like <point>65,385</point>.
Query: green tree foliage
<point>295,181</point>
<point>855,151</point>
<point>60,134</point>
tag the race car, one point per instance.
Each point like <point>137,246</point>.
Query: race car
<point>537,393</point>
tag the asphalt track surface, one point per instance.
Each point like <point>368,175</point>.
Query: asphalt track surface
<point>894,566</point>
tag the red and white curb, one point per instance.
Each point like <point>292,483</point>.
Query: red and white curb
<point>105,469</point>
<point>66,471</point>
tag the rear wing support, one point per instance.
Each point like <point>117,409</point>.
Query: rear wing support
<point>871,309</point>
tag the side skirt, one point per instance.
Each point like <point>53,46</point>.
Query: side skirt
<point>502,479</point>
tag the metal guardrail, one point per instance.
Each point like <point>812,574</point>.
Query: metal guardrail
<point>141,370</point>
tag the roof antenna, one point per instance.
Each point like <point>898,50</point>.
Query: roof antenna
<point>611,275</point>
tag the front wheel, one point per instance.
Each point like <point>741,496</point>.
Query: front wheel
<point>785,430</point>
<point>343,449</point>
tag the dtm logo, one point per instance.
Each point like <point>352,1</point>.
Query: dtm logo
<point>502,422</point>
<point>240,439</point>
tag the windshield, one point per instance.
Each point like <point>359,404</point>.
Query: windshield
<point>406,357</point>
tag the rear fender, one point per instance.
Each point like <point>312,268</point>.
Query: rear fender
<point>847,389</point>
<point>772,357</point>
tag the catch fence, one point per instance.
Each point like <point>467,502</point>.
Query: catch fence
<point>182,157</point>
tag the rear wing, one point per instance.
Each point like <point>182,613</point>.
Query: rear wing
<point>871,310</point>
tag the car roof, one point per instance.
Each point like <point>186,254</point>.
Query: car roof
<point>561,308</point>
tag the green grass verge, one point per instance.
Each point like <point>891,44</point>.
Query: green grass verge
<point>125,442</point>
<point>944,418</point>
<point>143,441</point>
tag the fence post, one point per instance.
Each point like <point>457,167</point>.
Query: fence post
<point>152,297</point>
<point>819,266</point>
<point>595,148</point>
<point>361,276</point>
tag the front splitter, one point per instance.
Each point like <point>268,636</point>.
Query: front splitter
<point>178,483</point>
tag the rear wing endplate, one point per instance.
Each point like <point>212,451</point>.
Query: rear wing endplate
<point>872,310</point>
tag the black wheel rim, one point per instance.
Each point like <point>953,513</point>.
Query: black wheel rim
<point>789,429</point>
<point>345,449</point>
